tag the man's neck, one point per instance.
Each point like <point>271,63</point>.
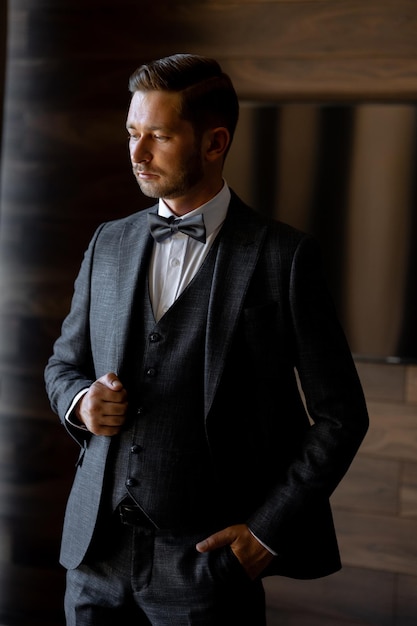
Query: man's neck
<point>185,204</point>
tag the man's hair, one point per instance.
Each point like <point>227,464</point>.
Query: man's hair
<point>208,98</point>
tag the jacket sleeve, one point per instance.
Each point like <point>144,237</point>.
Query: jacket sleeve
<point>333,397</point>
<point>70,368</point>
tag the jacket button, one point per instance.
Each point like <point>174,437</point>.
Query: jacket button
<point>154,337</point>
<point>151,372</point>
<point>135,448</point>
<point>131,482</point>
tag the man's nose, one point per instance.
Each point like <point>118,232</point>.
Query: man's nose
<point>140,152</point>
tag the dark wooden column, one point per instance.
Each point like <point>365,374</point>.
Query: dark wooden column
<point>65,168</point>
<point>3,39</point>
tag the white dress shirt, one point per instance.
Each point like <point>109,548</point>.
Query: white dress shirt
<point>176,260</point>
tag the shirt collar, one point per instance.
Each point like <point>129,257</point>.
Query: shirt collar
<point>214,210</point>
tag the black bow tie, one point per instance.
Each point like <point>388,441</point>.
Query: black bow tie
<point>163,227</point>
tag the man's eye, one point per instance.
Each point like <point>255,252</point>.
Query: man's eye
<point>160,137</point>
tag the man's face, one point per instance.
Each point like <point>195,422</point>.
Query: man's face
<point>166,157</point>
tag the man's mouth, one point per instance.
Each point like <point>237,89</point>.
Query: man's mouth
<point>145,174</point>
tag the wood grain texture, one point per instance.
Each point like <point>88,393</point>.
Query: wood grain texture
<point>282,50</point>
<point>325,79</point>
<point>408,490</point>
<point>406,611</point>
<point>379,542</point>
<point>384,383</point>
<point>393,431</point>
<point>411,384</point>
<point>351,596</point>
<point>345,29</point>
<point>370,485</point>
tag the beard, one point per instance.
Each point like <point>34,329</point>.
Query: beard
<point>188,172</point>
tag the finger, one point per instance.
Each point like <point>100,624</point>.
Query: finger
<point>111,381</point>
<point>102,407</point>
<point>108,388</point>
<point>108,431</point>
<point>104,425</point>
<point>218,540</point>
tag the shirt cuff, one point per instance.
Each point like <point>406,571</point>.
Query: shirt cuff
<point>69,417</point>
<point>262,544</point>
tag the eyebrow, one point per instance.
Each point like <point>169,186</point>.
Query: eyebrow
<point>152,128</point>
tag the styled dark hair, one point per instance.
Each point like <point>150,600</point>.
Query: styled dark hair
<point>208,98</point>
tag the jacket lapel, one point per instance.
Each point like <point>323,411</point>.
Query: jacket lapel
<point>134,252</point>
<point>239,248</point>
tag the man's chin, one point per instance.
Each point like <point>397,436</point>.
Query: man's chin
<point>149,190</point>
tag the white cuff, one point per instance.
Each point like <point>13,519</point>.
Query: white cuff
<point>262,544</point>
<point>68,414</point>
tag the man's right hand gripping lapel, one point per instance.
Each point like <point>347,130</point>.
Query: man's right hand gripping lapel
<point>103,408</point>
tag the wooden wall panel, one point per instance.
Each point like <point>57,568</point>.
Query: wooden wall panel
<point>256,30</point>
<point>408,490</point>
<point>352,596</point>
<point>406,598</point>
<point>393,433</point>
<point>411,385</point>
<point>370,485</point>
<point>285,50</point>
<point>3,40</point>
<point>378,542</point>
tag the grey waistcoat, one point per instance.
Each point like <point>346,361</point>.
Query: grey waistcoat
<point>162,458</point>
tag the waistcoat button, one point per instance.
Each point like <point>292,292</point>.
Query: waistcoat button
<point>131,482</point>
<point>151,372</point>
<point>135,448</point>
<point>154,337</point>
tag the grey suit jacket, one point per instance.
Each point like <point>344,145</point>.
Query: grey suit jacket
<point>269,314</point>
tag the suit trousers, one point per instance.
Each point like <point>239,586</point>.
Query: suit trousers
<point>141,576</point>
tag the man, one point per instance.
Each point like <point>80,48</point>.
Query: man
<point>200,470</point>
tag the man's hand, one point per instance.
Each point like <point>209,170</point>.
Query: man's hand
<point>103,408</point>
<point>252,555</point>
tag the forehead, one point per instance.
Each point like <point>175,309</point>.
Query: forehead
<point>155,109</point>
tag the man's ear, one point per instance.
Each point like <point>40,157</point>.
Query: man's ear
<point>216,143</point>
